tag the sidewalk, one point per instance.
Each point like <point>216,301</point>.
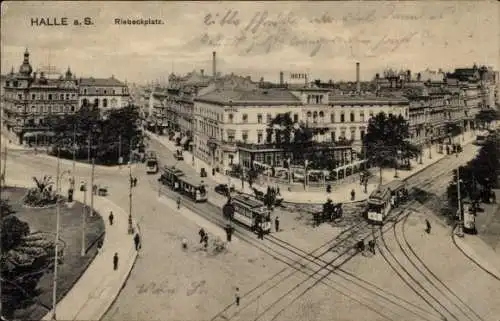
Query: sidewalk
<point>340,193</point>
<point>98,287</point>
<point>41,152</point>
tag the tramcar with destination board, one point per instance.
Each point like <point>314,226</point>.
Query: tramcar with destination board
<point>170,177</point>
<point>193,187</point>
<point>151,163</point>
<point>384,199</point>
<point>251,212</point>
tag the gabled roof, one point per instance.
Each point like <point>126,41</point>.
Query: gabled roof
<point>102,82</point>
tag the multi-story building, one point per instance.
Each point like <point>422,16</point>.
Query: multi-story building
<point>232,122</point>
<point>103,93</point>
<point>30,98</point>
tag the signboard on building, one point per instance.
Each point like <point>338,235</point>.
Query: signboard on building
<point>297,77</point>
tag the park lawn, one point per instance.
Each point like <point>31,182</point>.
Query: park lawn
<point>74,264</point>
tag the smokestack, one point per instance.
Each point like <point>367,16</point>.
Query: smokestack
<point>281,78</point>
<point>214,65</point>
<point>358,85</point>
<point>202,72</point>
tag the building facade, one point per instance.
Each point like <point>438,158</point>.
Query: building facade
<point>29,99</point>
<point>103,93</point>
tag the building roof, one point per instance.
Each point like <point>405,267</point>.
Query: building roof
<point>366,99</point>
<point>101,82</point>
<point>236,96</point>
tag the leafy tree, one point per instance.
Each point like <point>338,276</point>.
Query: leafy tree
<point>25,258</point>
<point>486,116</point>
<point>486,164</point>
<point>386,135</point>
<point>42,194</point>
<point>103,137</point>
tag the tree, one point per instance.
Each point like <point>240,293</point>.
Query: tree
<point>385,137</point>
<point>486,164</point>
<point>25,258</point>
<point>42,194</point>
<point>104,138</point>
<point>486,116</point>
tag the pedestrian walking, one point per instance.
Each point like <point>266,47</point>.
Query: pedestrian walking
<point>229,232</point>
<point>137,241</point>
<point>135,181</point>
<point>202,234</point>
<point>115,261</point>
<point>371,246</point>
<point>353,194</point>
<point>99,246</point>
<point>205,239</point>
<point>237,296</point>
<point>261,232</point>
<point>277,224</point>
<point>111,217</point>
<point>184,243</point>
<point>428,226</point>
<point>178,203</point>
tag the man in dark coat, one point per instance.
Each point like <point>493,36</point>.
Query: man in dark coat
<point>137,241</point>
<point>229,232</point>
<point>111,217</point>
<point>202,234</point>
<point>115,261</point>
<point>277,224</point>
<point>428,226</point>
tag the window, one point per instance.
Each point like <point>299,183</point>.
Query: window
<point>259,118</point>
<point>295,118</point>
<point>352,117</point>
<point>321,114</point>
<point>259,137</point>
<point>362,133</point>
<point>245,118</point>
<point>353,134</point>
<point>96,103</point>
<point>332,135</point>
<point>342,134</point>
<point>49,109</point>
<point>244,136</point>
<point>85,91</point>
<point>230,118</point>
<point>371,114</point>
<point>19,96</point>
<point>19,109</point>
<point>33,109</point>
<point>362,116</point>
<point>269,118</point>
<point>72,109</point>
<point>105,92</point>
<point>332,117</point>
<point>342,118</point>
<point>50,96</point>
<point>104,102</point>
<point>33,96</point>
<point>230,135</point>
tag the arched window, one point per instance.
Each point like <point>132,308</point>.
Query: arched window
<point>308,114</point>
<point>96,102</point>
<point>352,116</point>
<point>315,114</point>
<point>104,102</point>
<point>85,102</point>
<point>321,114</point>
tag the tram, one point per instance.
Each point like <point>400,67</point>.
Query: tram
<point>151,164</point>
<point>193,187</point>
<point>384,199</point>
<point>251,213</point>
<point>170,177</point>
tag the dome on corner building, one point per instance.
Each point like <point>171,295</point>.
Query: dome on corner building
<point>25,69</point>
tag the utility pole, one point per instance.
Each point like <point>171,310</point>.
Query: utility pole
<point>120,150</point>
<point>88,148</point>
<point>4,170</point>
<point>92,184</point>
<point>130,227</point>
<point>84,217</point>
<point>460,214</point>
<point>74,157</point>
<point>56,258</point>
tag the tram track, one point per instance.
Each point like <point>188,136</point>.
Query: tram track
<point>436,172</point>
<point>428,274</point>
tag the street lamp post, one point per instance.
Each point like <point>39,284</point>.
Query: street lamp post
<point>84,218</point>
<point>92,184</point>
<point>130,227</point>
<point>56,254</point>
<point>74,157</point>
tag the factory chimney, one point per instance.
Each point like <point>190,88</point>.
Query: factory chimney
<point>358,85</point>
<point>202,72</point>
<point>282,81</point>
<point>214,64</point>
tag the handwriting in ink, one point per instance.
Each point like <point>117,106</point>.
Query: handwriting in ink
<point>229,18</point>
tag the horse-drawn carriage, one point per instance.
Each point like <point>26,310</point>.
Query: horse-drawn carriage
<point>330,213</point>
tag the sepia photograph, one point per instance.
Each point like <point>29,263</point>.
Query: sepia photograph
<point>250,160</point>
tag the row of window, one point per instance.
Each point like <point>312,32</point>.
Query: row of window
<point>97,102</point>
<point>47,96</point>
<point>47,109</point>
<point>102,91</point>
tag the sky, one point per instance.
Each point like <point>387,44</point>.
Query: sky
<point>259,39</point>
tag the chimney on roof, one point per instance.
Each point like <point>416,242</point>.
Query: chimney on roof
<point>202,72</point>
<point>282,80</point>
<point>214,64</point>
<point>358,84</point>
